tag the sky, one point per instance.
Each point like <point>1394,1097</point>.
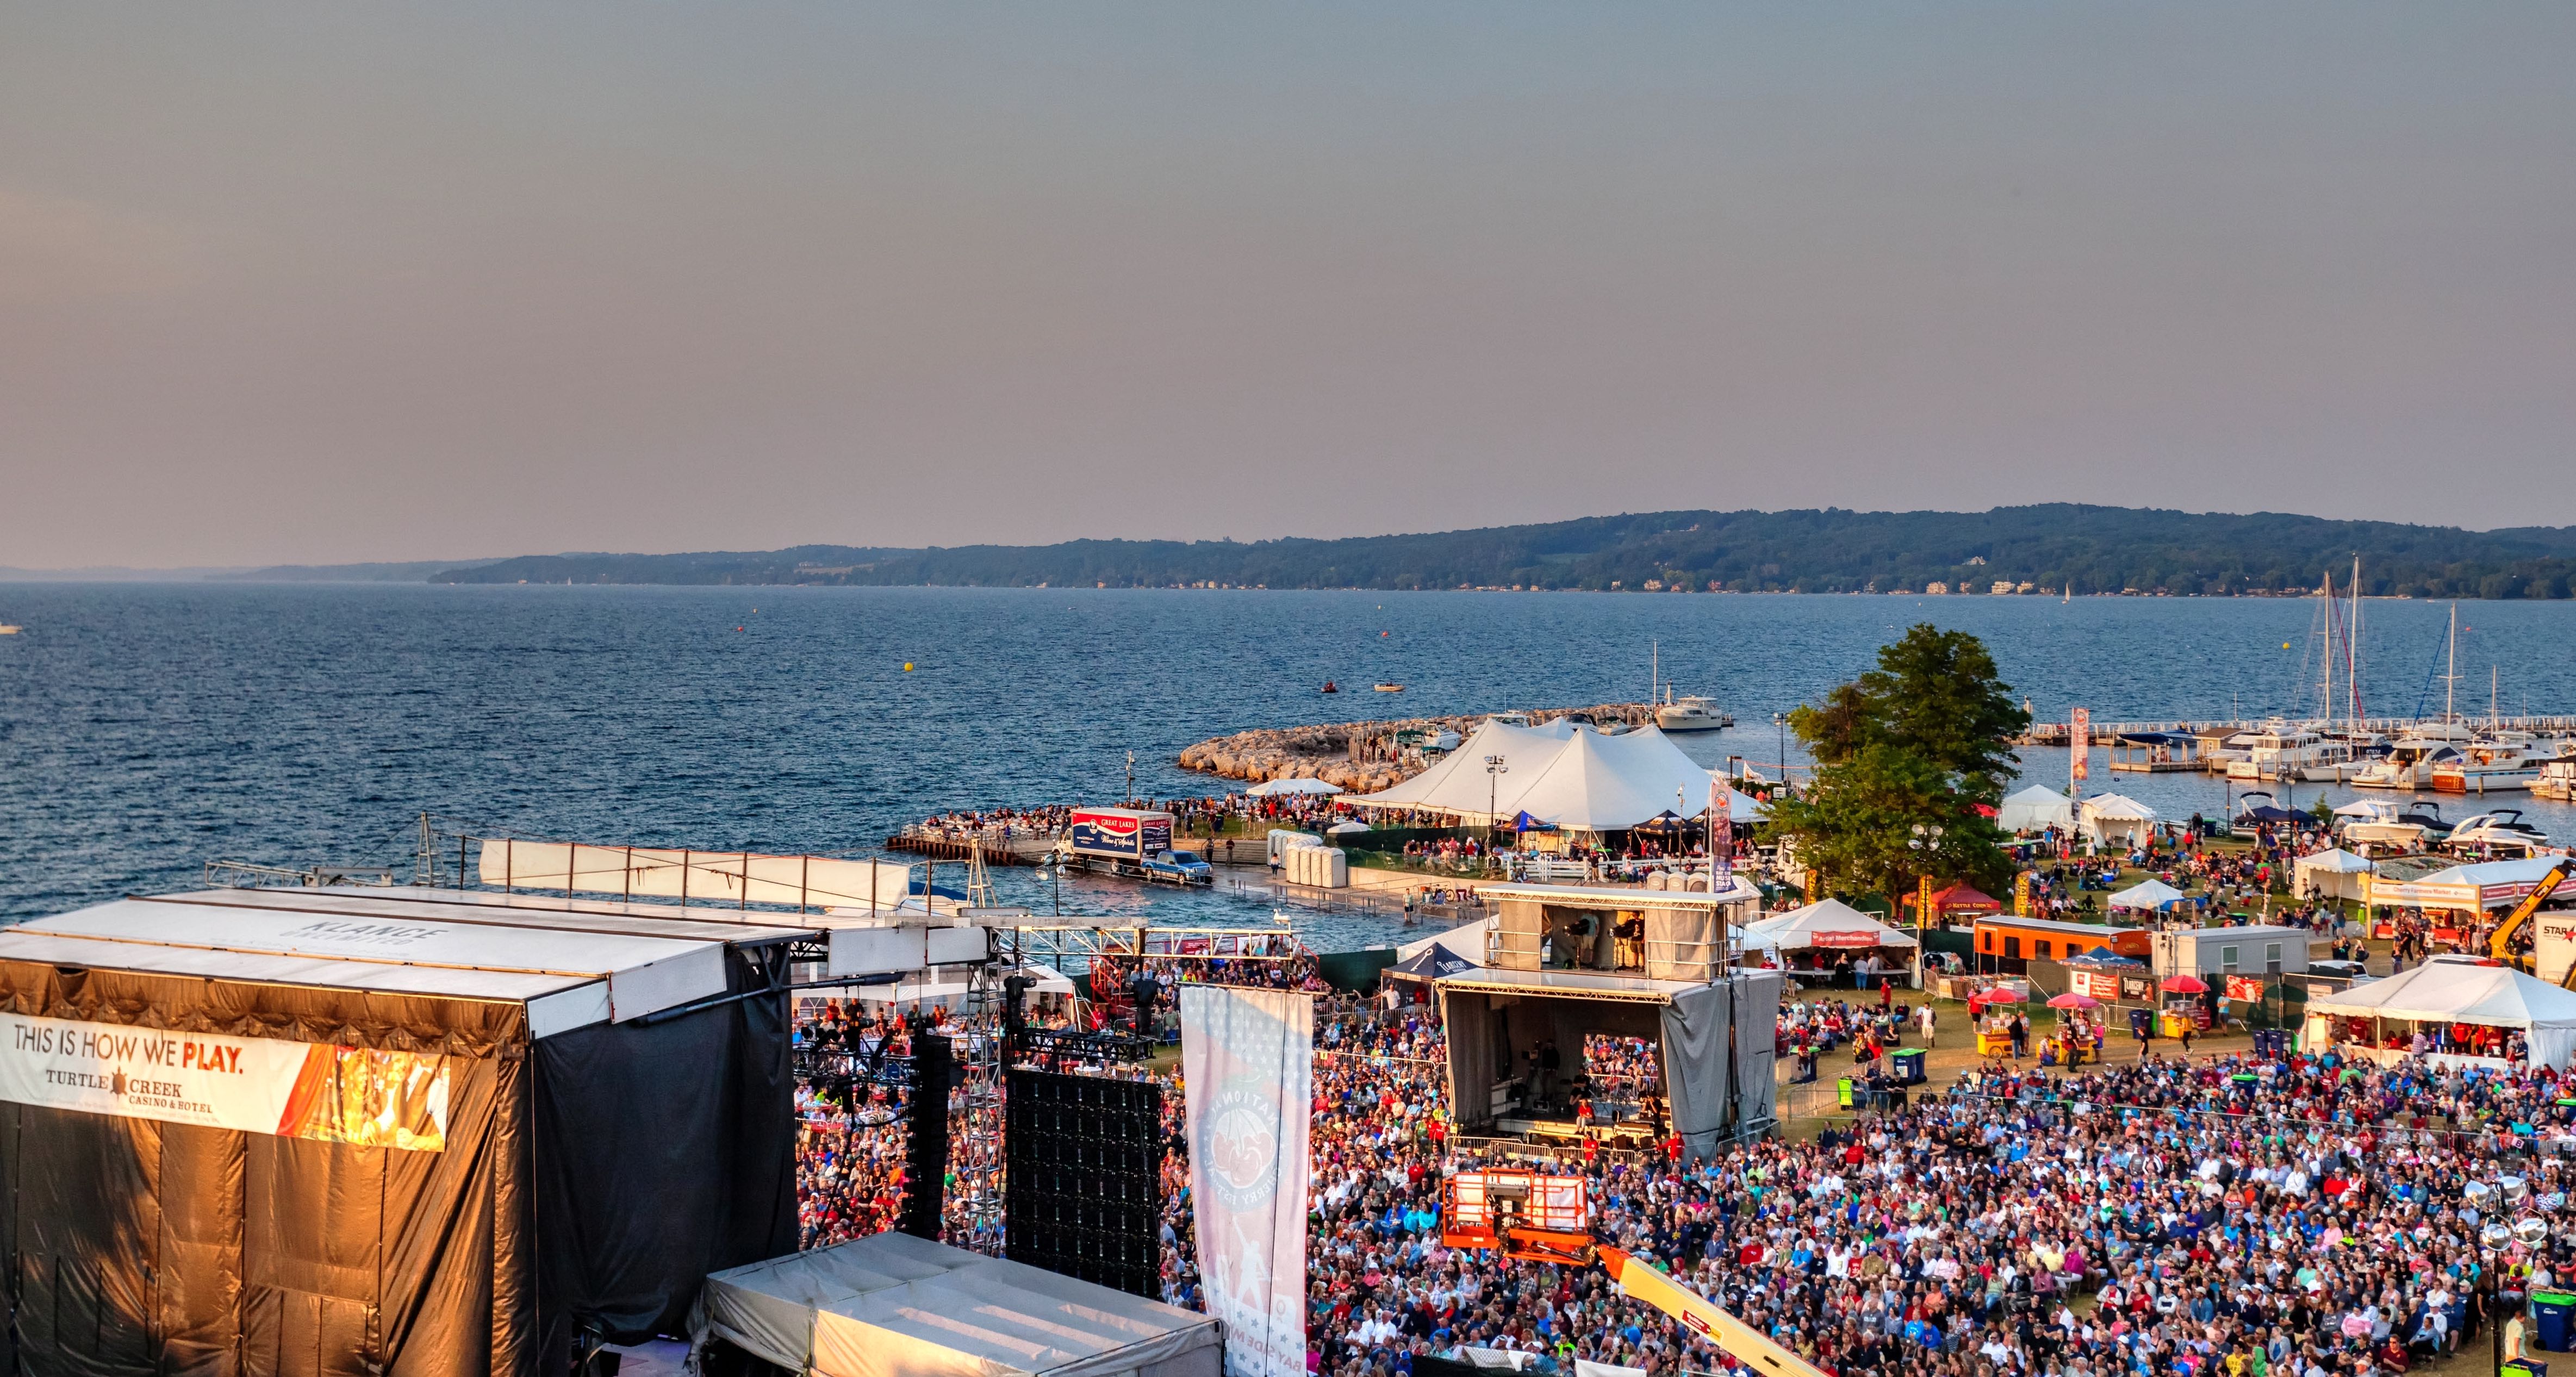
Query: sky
<point>329,282</point>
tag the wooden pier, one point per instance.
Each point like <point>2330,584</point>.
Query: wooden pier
<point>1019,849</point>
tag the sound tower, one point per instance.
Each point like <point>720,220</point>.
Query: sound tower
<point>925,1165</point>
<point>1085,1193</point>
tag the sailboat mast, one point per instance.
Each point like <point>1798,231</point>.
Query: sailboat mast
<point>2451,673</point>
<point>2325,685</point>
<point>1654,672</point>
<point>2352,644</point>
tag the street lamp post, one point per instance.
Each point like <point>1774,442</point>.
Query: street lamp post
<point>1494,772</point>
<point>1781,721</point>
<point>1925,845</point>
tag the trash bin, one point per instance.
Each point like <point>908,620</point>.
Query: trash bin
<point>1909,1065</point>
<point>2553,1316</point>
<point>2140,1025</point>
<point>1845,1091</point>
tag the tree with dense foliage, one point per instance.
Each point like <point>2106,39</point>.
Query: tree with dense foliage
<point>1924,740</point>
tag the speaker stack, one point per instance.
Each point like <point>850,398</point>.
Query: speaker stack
<point>925,1166</point>
<point>1085,1192</point>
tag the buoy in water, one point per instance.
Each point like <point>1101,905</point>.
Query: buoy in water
<point>907,666</point>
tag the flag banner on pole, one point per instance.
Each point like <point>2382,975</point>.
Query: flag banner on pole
<point>256,1085</point>
<point>2079,746</point>
<point>1247,1072</point>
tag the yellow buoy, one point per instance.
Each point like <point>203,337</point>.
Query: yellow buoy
<point>907,666</point>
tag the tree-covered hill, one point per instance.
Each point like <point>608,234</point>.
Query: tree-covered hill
<point>2048,548</point>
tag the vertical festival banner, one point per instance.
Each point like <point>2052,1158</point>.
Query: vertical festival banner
<point>1248,1075</point>
<point>2079,748</point>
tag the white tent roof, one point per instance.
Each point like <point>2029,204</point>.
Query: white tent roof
<point>2484,873</point>
<point>2118,806</point>
<point>2497,996</point>
<point>1274,788</point>
<point>891,1305</point>
<point>1802,927</point>
<point>944,987</point>
<point>1458,783</point>
<point>2336,861</point>
<point>2035,808</point>
<point>1467,942</point>
<point>2151,894</point>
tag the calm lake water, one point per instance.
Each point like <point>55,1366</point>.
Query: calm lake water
<point>146,729</point>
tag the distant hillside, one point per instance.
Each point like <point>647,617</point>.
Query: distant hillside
<point>2049,548</point>
<point>414,571</point>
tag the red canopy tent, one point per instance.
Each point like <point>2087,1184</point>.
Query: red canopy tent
<point>1960,901</point>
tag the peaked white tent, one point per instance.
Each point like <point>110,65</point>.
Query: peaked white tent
<point>1576,779</point>
<point>1290,787</point>
<point>891,1305</point>
<point>2331,874</point>
<point>2036,809</point>
<point>2466,888</point>
<point>2154,895</point>
<point>2447,992</point>
<point>1458,784</point>
<point>2116,818</point>
<point>1825,923</point>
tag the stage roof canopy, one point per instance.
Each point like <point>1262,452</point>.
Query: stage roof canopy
<point>891,1305</point>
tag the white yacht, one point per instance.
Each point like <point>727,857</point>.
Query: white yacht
<point>2382,823</point>
<point>2283,752</point>
<point>1690,715</point>
<point>2493,764</point>
<point>2411,758</point>
<point>2557,779</point>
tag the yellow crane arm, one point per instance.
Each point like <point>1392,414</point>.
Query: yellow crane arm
<point>2522,912</point>
<point>1746,1343</point>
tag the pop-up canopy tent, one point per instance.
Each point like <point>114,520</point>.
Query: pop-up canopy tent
<point>2036,809</point>
<point>1432,963</point>
<point>1826,923</point>
<point>397,1128</point>
<point>2331,874</point>
<point>2116,818</point>
<point>891,1305</point>
<point>2150,895</point>
<point>2443,992</point>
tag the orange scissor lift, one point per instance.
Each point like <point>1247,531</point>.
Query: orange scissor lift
<point>1539,1217</point>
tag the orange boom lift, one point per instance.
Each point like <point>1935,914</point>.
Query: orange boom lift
<point>1538,1217</point>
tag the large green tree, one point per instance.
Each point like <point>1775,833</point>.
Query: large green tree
<point>1922,741</point>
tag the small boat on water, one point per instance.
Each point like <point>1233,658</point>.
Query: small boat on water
<point>1388,687</point>
<point>2506,761</point>
<point>1690,715</point>
<point>1331,687</point>
<point>2412,825</point>
<point>2557,780</point>
<point>2412,756</point>
<point>8,630</point>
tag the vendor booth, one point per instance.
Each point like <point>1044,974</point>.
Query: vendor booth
<point>2462,1011</point>
<point>2036,809</point>
<point>891,1305</point>
<point>2116,820</point>
<point>2466,889</point>
<point>1830,941</point>
<point>2331,874</point>
<point>1956,902</point>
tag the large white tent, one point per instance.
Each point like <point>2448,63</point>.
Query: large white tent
<point>2466,888</point>
<point>891,1305</point>
<point>2036,809</point>
<point>1825,923</point>
<point>1457,784</point>
<point>1291,787</point>
<point>2331,874</point>
<point>1579,780</point>
<point>2453,992</point>
<point>2116,818</point>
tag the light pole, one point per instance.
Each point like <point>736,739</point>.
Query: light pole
<point>1925,845</point>
<point>1494,772</point>
<point>1781,721</point>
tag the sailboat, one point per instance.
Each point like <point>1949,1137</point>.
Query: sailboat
<point>2426,746</point>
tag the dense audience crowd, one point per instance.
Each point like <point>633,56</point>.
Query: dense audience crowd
<point>2170,1217</point>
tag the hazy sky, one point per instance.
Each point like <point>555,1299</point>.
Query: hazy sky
<point>348,282</point>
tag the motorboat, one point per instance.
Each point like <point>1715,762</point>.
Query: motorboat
<point>1331,687</point>
<point>2557,779</point>
<point>1388,687</point>
<point>2501,830</point>
<point>2507,761</point>
<point>2411,757</point>
<point>1691,715</point>
<point>2284,752</point>
<point>1510,719</point>
<point>2411,825</point>
<point>2348,752</point>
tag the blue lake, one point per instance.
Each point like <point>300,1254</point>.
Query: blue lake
<point>146,729</point>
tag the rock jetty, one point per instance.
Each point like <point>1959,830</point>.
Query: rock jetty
<point>1362,757</point>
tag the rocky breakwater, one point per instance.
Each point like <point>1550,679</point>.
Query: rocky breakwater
<point>1362,757</point>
